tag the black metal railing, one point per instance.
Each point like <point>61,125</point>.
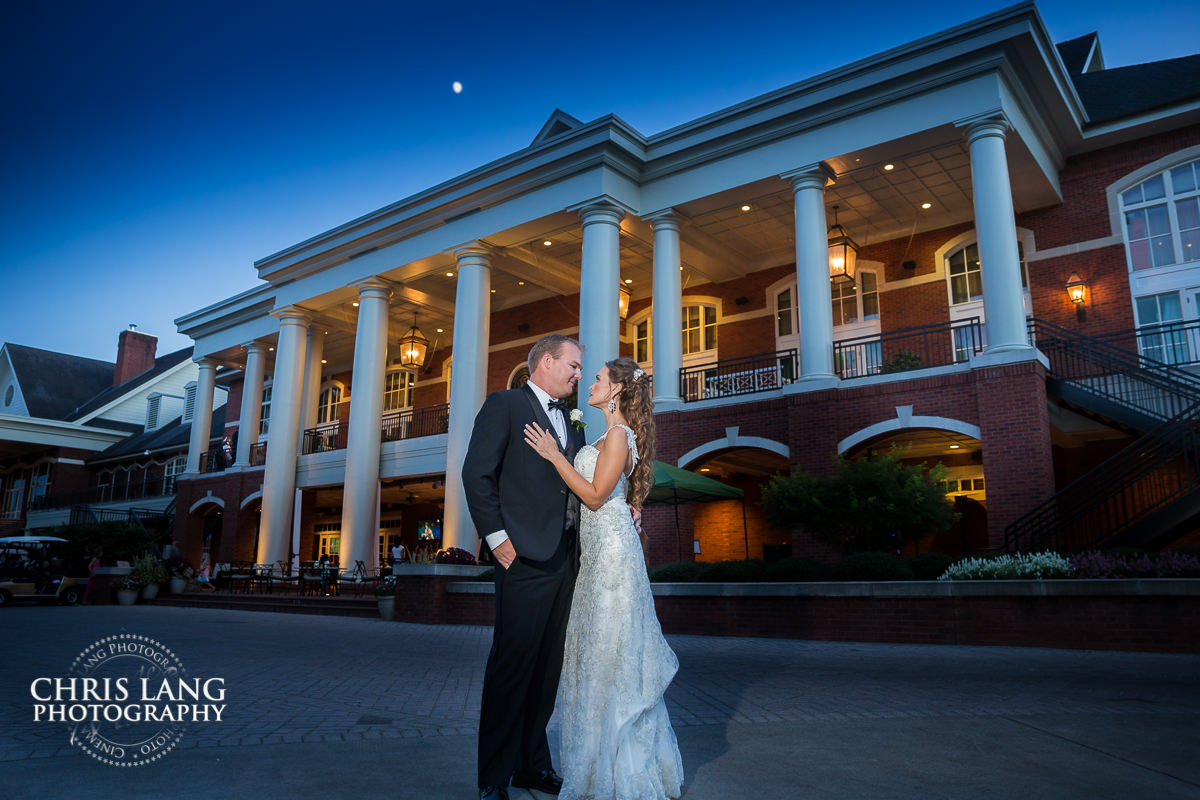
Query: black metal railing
<point>214,461</point>
<point>258,454</point>
<point>146,518</point>
<point>411,423</point>
<point>908,348</point>
<point>108,493</point>
<point>326,437</point>
<point>1113,373</point>
<point>1100,507</point>
<point>737,376</point>
<point>1109,504</point>
<point>1174,343</point>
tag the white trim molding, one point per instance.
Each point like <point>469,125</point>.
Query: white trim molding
<point>733,439</point>
<point>905,419</point>
<point>206,500</point>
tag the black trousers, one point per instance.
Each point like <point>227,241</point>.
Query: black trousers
<point>533,603</point>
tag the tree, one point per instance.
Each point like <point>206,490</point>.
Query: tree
<point>876,503</point>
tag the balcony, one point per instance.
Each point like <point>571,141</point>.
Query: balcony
<point>926,346</point>
<point>409,423</point>
<point>738,376</point>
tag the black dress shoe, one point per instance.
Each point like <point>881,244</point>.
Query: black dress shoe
<point>493,793</point>
<point>545,781</point>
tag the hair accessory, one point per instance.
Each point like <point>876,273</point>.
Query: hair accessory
<point>637,373</point>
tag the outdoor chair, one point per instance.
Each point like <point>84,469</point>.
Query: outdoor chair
<point>239,576</point>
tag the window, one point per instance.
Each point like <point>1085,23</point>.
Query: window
<point>14,494</point>
<point>1162,218</point>
<point>519,378</point>
<point>784,313</point>
<point>398,389</point>
<point>966,281</point>
<point>171,472</point>
<point>641,341</point>
<point>1168,346</point>
<point>264,414</point>
<point>327,405</point>
<point>41,481</point>
<point>699,329</point>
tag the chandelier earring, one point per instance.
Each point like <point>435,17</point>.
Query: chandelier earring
<point>612,405</point>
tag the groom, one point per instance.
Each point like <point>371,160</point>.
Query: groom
<point>530,521</point>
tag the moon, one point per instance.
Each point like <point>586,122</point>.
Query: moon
<point>457,87</point>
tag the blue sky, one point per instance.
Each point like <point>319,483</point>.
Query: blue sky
<point>152,151</point>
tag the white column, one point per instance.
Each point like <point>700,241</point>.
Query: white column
<point>599,296</point>
<point>312,377</point>
<point>279,475</point>
<point>202,414</point>
<point>667,324</point>
<point>468,384</point>
<point>996,227</point>
<point>360,494</point>
<point>252,389</point>
<point>812,272</point>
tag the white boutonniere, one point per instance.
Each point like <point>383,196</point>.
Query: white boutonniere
<point>577,418</point>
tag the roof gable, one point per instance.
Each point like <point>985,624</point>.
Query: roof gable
<point>559,123</point>
<point>1110,94</point>
<point>53,384</point>
<point>113,394</point>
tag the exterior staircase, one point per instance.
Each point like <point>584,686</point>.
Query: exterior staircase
<point>1147,494</point>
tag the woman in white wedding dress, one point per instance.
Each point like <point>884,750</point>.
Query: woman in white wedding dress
<point>617,741</point>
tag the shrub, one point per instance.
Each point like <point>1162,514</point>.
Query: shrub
<point>928,566</point>
<point>455,555</point>
<point>1135,564</point>
<point>799,568</point>
<point>753,569</point>
<point>149,569</point>
<point>676,572</point>
<point>871,567</point>
<point>1020,567</point>
<point>1186,550</point>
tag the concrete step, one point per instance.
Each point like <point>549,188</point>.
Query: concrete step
<point>286,603</point>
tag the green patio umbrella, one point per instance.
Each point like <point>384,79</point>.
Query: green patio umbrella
<point>674,486</point>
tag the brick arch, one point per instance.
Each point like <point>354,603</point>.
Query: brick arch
<point>904,419</point>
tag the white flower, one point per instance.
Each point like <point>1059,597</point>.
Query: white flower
<point>576,414</point>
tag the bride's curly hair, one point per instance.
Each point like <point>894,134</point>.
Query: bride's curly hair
<point>636,402</point>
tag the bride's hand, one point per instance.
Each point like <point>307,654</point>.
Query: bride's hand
<point>544,442</point>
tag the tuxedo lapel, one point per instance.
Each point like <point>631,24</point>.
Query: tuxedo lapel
<point>543,419</point>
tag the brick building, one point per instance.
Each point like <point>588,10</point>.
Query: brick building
<point>1018,300</point>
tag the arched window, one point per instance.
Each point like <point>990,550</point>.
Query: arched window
<point>327,405</point>
<point>519,377</point>
<point>1162,218</point>
<point>264,418</point>
<point>699,329</point>
<point>171,472</point>
<point>398,389</point>
<point>966,279</point>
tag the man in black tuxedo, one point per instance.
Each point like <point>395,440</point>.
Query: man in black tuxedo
<point>530,521</point>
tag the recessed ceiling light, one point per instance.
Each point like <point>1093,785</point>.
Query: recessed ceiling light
<point>888,167</point>
<point>355,304</point>
<point>440,330</point>
<point>520,283</point>
<point>493,291</point>
<point>953,447</point>
<point>547,243</point>
<point>271,349</point>
<point>745,208</point>
<point>449,274</point>
<point>705,469</point>
<point>926,205</point>
<point>323,361</point>
<point>629,280</point>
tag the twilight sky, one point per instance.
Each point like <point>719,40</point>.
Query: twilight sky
<point>154,150</point>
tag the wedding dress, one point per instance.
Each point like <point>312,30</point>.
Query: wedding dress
<point>617,741</point>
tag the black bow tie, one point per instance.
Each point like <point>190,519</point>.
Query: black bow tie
<point>561,405</point>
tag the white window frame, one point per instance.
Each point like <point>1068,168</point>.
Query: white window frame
<point>704,354</point>
<point>975,308</point>
<point>264,410</point>
<point>400,392</point>
<point>328,407</point>
<point>1183,250</point>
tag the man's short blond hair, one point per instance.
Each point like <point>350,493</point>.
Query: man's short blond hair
<point>551,344</point>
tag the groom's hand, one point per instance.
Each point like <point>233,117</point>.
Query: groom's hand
<point>505,554</point>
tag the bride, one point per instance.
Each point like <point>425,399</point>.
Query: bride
<point>617,741</point>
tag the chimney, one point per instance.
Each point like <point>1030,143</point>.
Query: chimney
<point>135,354</point>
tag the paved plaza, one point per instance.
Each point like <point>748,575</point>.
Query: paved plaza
<point>333,707</point>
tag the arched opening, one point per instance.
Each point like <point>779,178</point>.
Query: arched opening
<point>962,455</point>
<point>728,530</point>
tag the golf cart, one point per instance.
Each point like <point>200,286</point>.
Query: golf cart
<point>36,568</point>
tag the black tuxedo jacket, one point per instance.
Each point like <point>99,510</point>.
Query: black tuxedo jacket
<point>508,485</point>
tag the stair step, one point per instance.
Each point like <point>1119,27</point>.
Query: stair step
<point>280,603</point>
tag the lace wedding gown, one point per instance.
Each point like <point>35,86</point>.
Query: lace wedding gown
<point>617,741</point>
